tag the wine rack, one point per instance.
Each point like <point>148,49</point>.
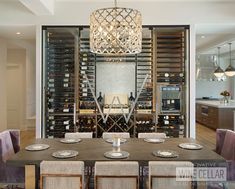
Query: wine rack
<point>170,53</point>
<point>144,64</point>
<point>59,83</point>
<point>69,65</point>
<point>115,123</point>
<point>87,70</point>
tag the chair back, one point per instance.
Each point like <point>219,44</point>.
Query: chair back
<point>152,135</point>
<point>61,175</point>
<point>6,147</point>
<point>116,175</point>
<point>79,135</point>
<point>228,149</point>
<point>107,135</point>
<point>220,136</point>
<point>162,175</point>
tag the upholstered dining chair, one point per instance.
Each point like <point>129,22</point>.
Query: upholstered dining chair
<point>62,174</point>
<point>220,136</point>
<point>151,135</point>
<point>116,175</point>
<point>9,174</point>
<point>79,135</point>
<point>162,175</point>
<point>107,135</point>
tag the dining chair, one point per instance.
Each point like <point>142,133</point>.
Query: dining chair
<point>117,175</point>
<point>151,135</point>
<point>79,135</point>
<point>9,174</point>
<point>162,175</point>
<point>220,136</point>
<point>107,135</point>
<point>62,174</point>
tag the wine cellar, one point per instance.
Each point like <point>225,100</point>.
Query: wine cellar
<point>84,92</point>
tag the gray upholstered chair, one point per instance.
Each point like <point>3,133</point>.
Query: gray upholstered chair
<point>116,175</point>
<point>79,135</point>
<point>107,135</point>
<point>151,135</point>
<point>62,174</point>
<point>162,175</point>
<point>8,147</point>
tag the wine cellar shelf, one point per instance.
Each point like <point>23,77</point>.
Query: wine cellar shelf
<point>70,80</point>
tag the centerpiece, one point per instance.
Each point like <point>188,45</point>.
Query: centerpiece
<point>226,96</point>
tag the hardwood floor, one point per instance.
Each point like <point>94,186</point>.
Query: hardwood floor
<point>206,136</point>
<point>203,134</point>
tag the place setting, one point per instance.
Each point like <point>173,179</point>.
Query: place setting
<point>112,140</point>
<point>154,140</point>
<point>63,154</point>
<point>37,147</point>
<point>116,154</point>
<point>70,140</point>
<point>190,146</point>
<point>166,153</point>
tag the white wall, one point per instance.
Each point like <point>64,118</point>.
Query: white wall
<point>3,97</point>
<point>16,59</point>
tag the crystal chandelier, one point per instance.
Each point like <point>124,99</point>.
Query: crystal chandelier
<point>116,31</point>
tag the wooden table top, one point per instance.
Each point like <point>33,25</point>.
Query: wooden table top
<point>91,150</point>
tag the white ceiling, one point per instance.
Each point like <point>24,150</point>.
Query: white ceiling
<point>215,35</point>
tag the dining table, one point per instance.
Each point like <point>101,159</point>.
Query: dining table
<point>92,150</point>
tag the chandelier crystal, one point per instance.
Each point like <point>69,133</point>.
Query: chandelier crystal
<point>116,31</point>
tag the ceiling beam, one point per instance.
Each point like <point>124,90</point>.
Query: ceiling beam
<point>39,7</point>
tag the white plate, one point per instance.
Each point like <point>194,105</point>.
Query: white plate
<point>70,140</point>
<point>65,154</point>
<point>166,153</point>
<point>154,140</point>
<point>110,140</point>
<point>37,147</point>
<point>190,146</point>
<point>116,155</point>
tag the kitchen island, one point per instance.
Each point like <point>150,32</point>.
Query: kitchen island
<point>215,114</point>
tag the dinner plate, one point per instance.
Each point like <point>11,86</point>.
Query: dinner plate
<point>65,154</point>
<point>154,140</point>
<point>116,155</point>
<point>110,140</point>
<point>190,146</point>
<point>165,153</point>
<point>70,140</point>
<point>37,147</point>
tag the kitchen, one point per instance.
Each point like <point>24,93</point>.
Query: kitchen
<point>215,103</point>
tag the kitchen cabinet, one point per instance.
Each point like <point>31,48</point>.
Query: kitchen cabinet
<point>215,115</point>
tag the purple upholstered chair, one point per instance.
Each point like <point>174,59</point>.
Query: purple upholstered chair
<point>9,174</point>
<point>220,136</point>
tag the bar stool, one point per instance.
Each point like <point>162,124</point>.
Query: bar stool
<point>116,175</point>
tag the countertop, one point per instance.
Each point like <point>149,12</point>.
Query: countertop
<point>217,103</point>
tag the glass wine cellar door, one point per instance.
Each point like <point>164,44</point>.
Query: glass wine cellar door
<point>85,92</point>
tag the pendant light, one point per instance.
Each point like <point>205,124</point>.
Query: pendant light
<point>116,31</point>
<point>230,71</point>
<point>218,72</point>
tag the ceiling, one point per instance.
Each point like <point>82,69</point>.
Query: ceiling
<point>213,34</point>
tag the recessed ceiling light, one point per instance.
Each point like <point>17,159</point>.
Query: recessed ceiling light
<point>17,33</point>
<point>203,36</point>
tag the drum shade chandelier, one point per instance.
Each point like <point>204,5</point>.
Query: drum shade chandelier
<point>218,72</point>
<point>116,31</point>
<point>230,70</point>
